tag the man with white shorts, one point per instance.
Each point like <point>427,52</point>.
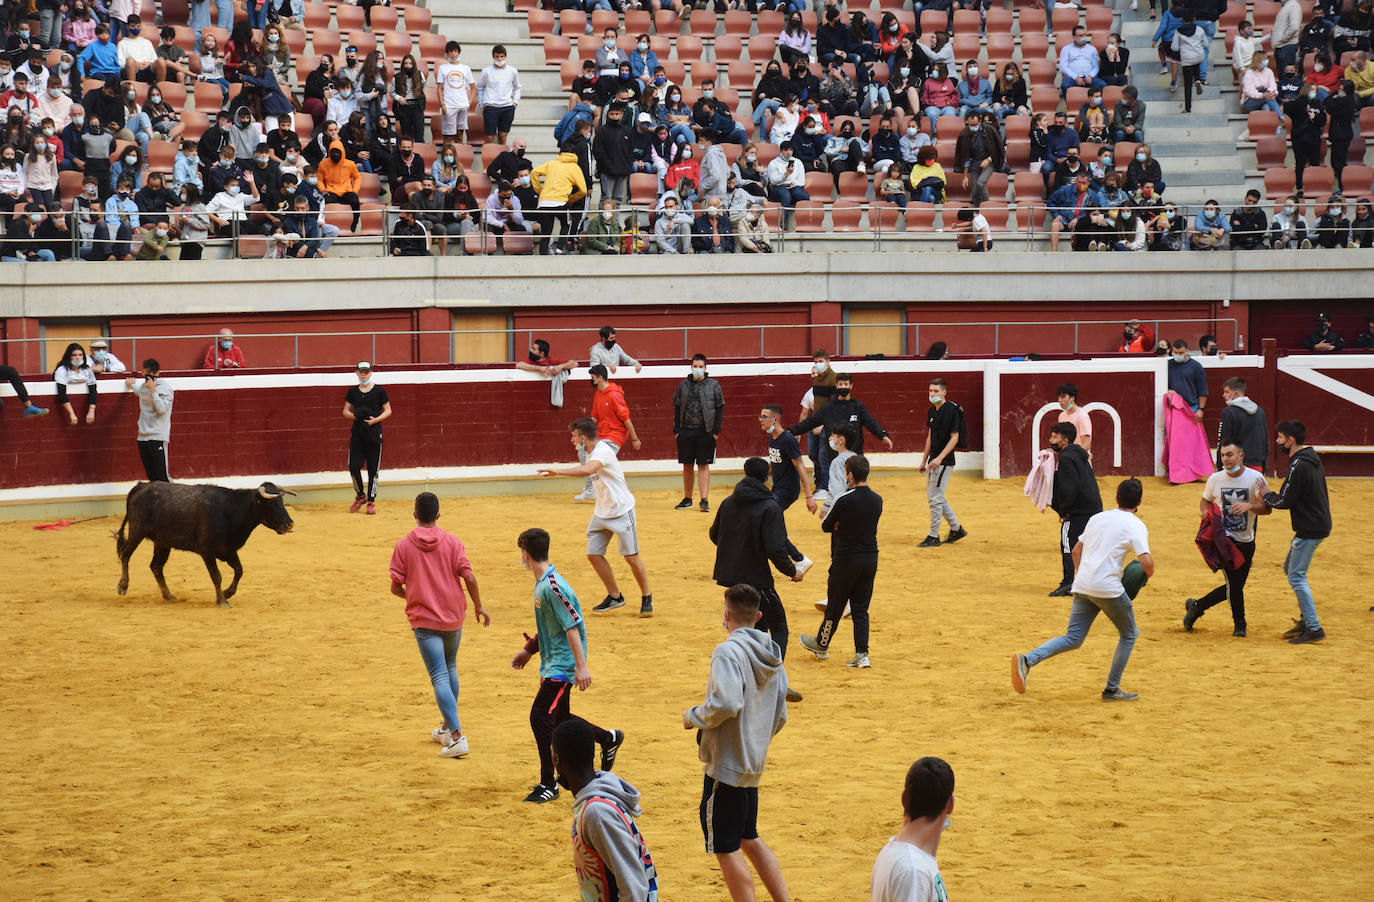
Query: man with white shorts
<point>614,515</point>
<point>457,93</point>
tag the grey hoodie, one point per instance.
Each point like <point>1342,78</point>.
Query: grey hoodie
<point>608,849</point>
<point>746,705</point>
<point>154,412</point>
<point>1243,422</point>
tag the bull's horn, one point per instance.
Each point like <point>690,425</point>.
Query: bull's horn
<point>262,490</point>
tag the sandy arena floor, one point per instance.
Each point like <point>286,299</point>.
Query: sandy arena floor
<point>281,749</point>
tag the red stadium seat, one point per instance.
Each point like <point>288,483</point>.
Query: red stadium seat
<point>478,243</point>
<point>317,16</point>
<point>853,188</point>
<point>819,185</point>
<point>882,216</point>
<point>1271,152</point>
<point>557,49</point>
<point>1099,21</point>
<point>571,21</point>
<point>667,22</point>
<point>1318,182</point>
<point>741,75</point>
<point>1018,155</point>
<point>967,21</point>
<point>643,189</point>
<point>541,22</point>
<point>999,21</point>
<point>1357,181</point>
<point>519,243</point>
<point>384,18</point>
<point>638,21</point>
<point>349,18</point>
<point>1261,124</point>
<point>175,12</point>
<point>933,20</point>
<point>728,48</point>
<point>603,19</point>
<point>1278,183</point>
<point>762,48</point>
<point>920,217</point>
<point>325,41</point>
<point>689,48</point>
<point>418,19</point>
<point>810,215</point>
<point>1035,45</point>
<point>846,216</point>
<point>1063,21</point>
<point>702,22</point>
<point>1029,188</point>
<point>1044,99</point>
<point>1000,45</point>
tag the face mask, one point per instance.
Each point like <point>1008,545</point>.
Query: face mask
<point>608,215</point>
<point>713,212</point>
<point>973,71</point>
<point>91,190</point>
<point>35,217</point>
<point>288,190</point>
<point>698,372</point>
<point>78,121</point>
<point>609,43</point>
<point>893,28</point>
<point>1180,358</point>
<point>1320,67</point>
<point>1066,405</point>
<point>130,160</point>
<point>810,131</point>
<point>24,34</point>
<point>1080,41</point>
<point>262,161</point>
<point>99,356</point>
<point>155,98</point>
<point>819,367</point>
<point>313,180</point>
<point>162,233</point>
<point>1283,446</point>
<point>687,153</point>
<point>751,216</point>
<point>643,46</point>
<point>660,80</point>
<point>1147,192</point>
<point>233,190</point>
<point>274,40</point>
<point>834,446</point>
<point>708,93</point>
<point>1235,471</point>
<point>525,180</point>
<point>905,70</point>
<point>1290,210</point>
<point>1264,64</point>
<point>912,131</point>
<point>500,64</point>
<point>609,343</point>
<point>1334,211</point>
<point>674,98</point>
<point>344,94</point>
<point>291,156</point>
<point>77,361</point>
<point>750,158</point>
<point>130,96</point>
<point>448,158</point>
<point>1106,159</point>
<point>39,147</point>
<point>842,392</point>
<point>123,192</point>
<point>54,92</point>
<point>670,209</point>
<point>1312,95</point>
<point>935,398</point>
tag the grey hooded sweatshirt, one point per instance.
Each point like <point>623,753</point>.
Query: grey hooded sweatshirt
<point>608,850</point>
<point>746,705</point>
<point>1244,423</point>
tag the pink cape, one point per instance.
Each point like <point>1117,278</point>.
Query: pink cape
<point>1187,454</point>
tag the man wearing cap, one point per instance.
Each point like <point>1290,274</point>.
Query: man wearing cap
<point>1323,341</point>
<point>642,145</point>
<point>21,98</point>
<point>102,361</point>
<point>224,354</point>
<point>1135,340</point>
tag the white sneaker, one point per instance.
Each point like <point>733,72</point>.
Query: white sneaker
<point>862,169</point>
<point>824,603</point>
<point>585,495</point>
<point>860,661</point>
<point>441,736</point>
<point>458,748</point>
<point>804,564</point>
<point>1281,132</point>
<point>1133,6</point>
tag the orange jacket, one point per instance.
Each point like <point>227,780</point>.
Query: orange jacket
<point>341,177</point>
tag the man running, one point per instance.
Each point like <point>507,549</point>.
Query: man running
<point>944,428</point>
<point>1099,557</point>
<point>561,641</point>
<point>790,478</point>
<point>1240,493</point>
<point>612,416</point>
<point>744,709</point>
<point>1075,497</point>
<point>748,533</point>
<point>1304,496</point>
<point>614,515</point>
<point>609,853</point>
<point>853,527</point>
<point>906,870</point>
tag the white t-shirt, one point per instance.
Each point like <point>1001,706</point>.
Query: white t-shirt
<point>1224,489</point>
<point>454,79</point>
<point>1108,538</point>
<point>613,498</point>
<point>904,873</point>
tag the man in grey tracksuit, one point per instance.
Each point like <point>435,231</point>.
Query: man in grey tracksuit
<point>154,420</point>
<point>745,707</point>
<point>609,853</point>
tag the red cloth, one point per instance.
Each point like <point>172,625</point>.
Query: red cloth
<point>215,359</point>
<point>610,412</point>
<point>431,564</point>
<point>1216,547</point>
<point>1187,454</point>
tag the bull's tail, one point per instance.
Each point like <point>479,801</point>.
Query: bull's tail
<point>120,541</point>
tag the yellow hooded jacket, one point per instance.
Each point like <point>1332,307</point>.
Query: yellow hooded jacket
<point>560,180</point>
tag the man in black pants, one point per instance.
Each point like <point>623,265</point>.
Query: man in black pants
<point>748,532</point>
<point>11,375</point>
<point>853,527</point>
<point>154,420</point>
<point>1239,491</point>
<point>1075,498</point>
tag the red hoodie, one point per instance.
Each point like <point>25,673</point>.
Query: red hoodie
<point>431,564</point>
<point>610,412</point>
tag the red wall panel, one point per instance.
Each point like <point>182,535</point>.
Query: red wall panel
<point>1132,395</point>
<point>658,333</point>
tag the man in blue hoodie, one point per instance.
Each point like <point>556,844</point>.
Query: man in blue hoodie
<point>609,852</point>
<point>745,707</point>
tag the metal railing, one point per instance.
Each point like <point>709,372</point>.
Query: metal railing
<point>400,348</point>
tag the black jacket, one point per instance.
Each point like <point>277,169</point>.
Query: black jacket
<point>1304,496</point>
<point>749,532</point>
<point>853,526</point>
<point>1247,428</point>
<point>611,147</point>
<point>504,166</point>
<point>842,412</point>
<point>1075,487</point>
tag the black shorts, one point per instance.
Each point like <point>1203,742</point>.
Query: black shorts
<point>696,446</point>
<point>729,814</point>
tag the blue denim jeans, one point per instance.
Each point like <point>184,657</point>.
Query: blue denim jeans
<point>1210,29</point>
<point>1081,616</point>
<point>439,649</point>
<point>224,14</point>
<point>1295,568</point>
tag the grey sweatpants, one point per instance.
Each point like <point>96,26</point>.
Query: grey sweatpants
<point>937,478</point>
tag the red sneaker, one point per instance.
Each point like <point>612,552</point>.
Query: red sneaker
<point>371,508</point>
<point>357,505</point>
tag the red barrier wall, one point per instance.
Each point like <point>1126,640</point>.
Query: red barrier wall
<point>1131,395</point>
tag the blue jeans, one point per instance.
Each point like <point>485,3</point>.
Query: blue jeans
<point>1081,617</point>
<point>769,105</point>
<point>682,134</point>
<point>200,17</point>
<point>44,256</point>
<point>257,16</point>
<point>224,14</point>
<point>439,650</point>
<point>142,127</point>
<point>1250,106</point>
<point>935,112</point>
<point>1295,568</point>
<point>1138,137</point>
<point>927,196</point>
<point>1070,83</point>
<point>1210,29</point>
<point>788,197</point>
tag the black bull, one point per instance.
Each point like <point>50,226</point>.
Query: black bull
<point>211,521</point>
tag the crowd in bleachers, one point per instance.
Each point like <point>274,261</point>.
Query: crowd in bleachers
<point>286,126</point>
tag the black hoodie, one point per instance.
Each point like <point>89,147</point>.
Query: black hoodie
<point>1075,486</point>
<point>749,532</point>
<point>1304,496</point>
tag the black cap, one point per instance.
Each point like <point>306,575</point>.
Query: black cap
<point>1323,318</point>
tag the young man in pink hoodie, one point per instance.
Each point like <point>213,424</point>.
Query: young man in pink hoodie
<point>429,569</point>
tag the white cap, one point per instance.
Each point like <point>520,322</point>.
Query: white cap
<point>645,117</point>
<point>99,343</point>
<point>364,365</point>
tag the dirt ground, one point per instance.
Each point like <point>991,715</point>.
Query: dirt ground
<point>281,749</point>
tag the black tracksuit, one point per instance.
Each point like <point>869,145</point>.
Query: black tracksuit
<point>1304,496</point>
<point>748,532</point>
<point>1075,499</point>
<point>853,526</point>
<point>1248,429</point>
<point>842,412</point>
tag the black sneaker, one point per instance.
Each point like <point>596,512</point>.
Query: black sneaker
<point>956,535</point>
<point>542,793</point>
<point>705,506</point>
<point>610,603</point>
<point>1191,614</point>
<point>609,750</point>
<point>929,542</point>
<point>1119,695</point>
<point>1297,629</point>
<point>646,609</point>
<point>793,695</point>
<point>684,505</point>
<point>1315,635</point>
<point>1061,590</point>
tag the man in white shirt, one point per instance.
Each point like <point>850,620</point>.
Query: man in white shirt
<point>498,94</point>
<point>457,93</point>
<point>614,515</point>
<point>786,179</point>
<point>230,204</point>
<point>1240,491</point>
<point>137,54</point>
<point>906,870</point>
<point>1098,558</point>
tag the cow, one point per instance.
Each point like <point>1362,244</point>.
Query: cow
<point>213,522</point>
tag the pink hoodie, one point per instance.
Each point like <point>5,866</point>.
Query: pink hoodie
<point>431,564</point>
